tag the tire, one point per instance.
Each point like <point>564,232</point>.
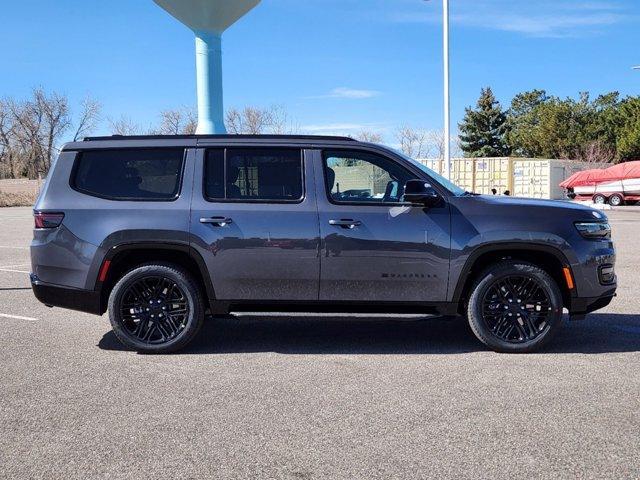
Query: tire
<point>524,324</point>
<point>156,290</point>
<point>599,199</point>
<point>616,200</point>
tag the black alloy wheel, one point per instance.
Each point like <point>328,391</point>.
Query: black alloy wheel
<point>156,308</point>
<point>515,307</point>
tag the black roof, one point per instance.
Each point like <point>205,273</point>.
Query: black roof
<point>221,137</point>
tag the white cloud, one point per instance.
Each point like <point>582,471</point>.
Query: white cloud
<point>549,26</point>
<point>543,19</point>
<point>351,93</point>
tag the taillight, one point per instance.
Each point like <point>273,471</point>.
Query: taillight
<point>47,220</point>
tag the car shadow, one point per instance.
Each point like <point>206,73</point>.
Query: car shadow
<point>599,333</point>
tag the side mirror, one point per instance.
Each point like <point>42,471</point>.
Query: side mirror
<point>420,192</point>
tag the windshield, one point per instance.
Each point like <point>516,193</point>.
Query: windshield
<point>449,185</point>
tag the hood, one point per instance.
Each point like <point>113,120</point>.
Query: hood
<point>555,206</point>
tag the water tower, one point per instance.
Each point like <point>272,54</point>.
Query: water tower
<point>209,19</point>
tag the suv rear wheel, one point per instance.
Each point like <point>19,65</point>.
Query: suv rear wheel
<point>156,308</point>
<point>515,307</point>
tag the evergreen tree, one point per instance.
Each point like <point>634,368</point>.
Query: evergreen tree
<point>628,141</point>
<point>483,130</point>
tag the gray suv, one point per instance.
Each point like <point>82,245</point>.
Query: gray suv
<point>161,230</point>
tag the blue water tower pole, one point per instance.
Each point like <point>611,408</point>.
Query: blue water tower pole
<point>209,83</point>
<point>208,19</point>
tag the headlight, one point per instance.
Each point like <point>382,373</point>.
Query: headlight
<point>594,230</point>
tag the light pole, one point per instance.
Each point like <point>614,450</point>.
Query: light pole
<point>447,98</point>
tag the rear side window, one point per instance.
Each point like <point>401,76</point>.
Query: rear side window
<point>266,174</point>
<point>130,174</point>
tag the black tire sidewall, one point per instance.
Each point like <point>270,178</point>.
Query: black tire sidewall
<point>486,280</point>
<point>190,290</point>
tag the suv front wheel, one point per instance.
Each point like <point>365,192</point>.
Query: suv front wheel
<point>515,307</point>
<point>156,308</point>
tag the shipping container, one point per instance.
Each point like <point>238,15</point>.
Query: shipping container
<point>522,177</point>
<point>492,173</point>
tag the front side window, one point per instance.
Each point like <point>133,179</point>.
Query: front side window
<point>130,174</point>
<point>363,177</point>
<point>265,174</point>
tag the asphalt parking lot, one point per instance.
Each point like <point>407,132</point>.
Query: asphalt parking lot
<point>306,398</point>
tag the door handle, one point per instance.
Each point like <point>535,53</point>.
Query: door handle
<point>217,221</point>
<point>345,223</point>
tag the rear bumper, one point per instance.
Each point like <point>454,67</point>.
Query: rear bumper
<point>88,301</point>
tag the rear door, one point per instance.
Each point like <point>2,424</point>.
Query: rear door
<point>375,247</point>
<point>254,221</point>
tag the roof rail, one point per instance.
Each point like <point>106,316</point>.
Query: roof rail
<point>224,136</point>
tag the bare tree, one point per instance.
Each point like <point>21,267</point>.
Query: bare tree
<point>7,144</point>
<point>55,113</point>
<point>37,127</point>
<point>177,122</point>
<point>90,116</point>
<point>124,126</point>
<point>32,130</point>
<point>369,136</point>
<point>28,123</point>
<point>413,142</point>
<point>596,152</point>
<point>233,121</point>
<point>281,123</point>
<point>456,147</point>
<point>435,144</point>
<point>419,143</point>
<point>190,122</point>
<point>256,120</point>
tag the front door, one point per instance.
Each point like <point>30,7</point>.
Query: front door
<point>374,246</point>
<point>254,221</point>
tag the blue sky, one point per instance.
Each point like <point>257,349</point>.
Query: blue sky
<point>337,66</point>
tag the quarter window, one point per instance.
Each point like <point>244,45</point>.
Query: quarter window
<point>131,174</point>
<point>253,175</point>
<point>363,177</point>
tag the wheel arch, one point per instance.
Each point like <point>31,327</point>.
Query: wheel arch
<point>126,256</point>
<point>550,259</point>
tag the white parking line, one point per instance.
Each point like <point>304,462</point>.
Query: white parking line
<point>18,317</point>
<point>13,271</point>
<point>16,266</point>
<point>14,248</point>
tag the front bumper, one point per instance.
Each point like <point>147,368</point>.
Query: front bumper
<point>88,301</point>
<point>581,306</point>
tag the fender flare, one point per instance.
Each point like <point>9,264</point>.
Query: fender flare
<point>178,247</point>
<point>497,247</point>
